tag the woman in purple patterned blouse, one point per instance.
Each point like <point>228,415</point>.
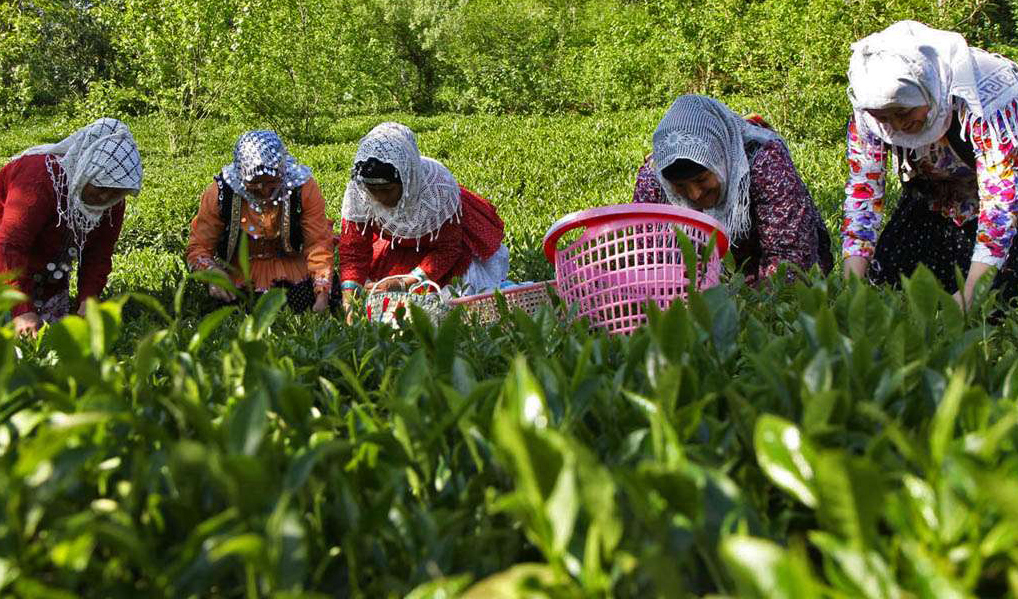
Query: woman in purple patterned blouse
<point>710,159</point>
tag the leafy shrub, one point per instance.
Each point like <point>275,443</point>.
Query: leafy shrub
<point>297,68</point>
<point>51,51</point>
<point>762,442</point>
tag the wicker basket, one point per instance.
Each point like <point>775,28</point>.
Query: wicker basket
<point>525,297</point>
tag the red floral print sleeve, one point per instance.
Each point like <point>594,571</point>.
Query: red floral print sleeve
<point>995,173</point>
<point>864,193</point>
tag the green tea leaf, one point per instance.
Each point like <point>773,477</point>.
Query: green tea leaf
<point>944,421</point>
<point>248,422</point>
<point>524,396</point>
<point>517,582</point>
<point>10,297</point>
<point>868,573</point>
<point>266,310</point>
<point>208,325</point>
<point>70,338</point>
<point>850,497</point>
<point>765,570</point>
<point>786,457</point>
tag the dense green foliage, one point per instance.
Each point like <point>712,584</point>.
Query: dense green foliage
<point>792,442</point>
<point>300,64</point>
<point>795,441</point>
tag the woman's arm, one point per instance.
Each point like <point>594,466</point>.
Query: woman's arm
<point>206,229</point>
<point>864,198</point>
<point>648,188</point>
<point>784,211</point>
<point>995,173</point>
<point>318,242</point>
<point>97,255</point>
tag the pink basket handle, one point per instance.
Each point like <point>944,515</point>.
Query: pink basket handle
<point>606,214</point>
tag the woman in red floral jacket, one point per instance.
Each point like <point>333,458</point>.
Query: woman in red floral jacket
<point>61,203</point>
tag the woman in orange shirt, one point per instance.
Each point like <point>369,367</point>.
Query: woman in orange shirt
<point>267,196</point>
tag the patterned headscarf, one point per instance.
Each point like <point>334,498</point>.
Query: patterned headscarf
<point>909,64</point>
<point>707,132</point>
<point>263,153</point>
<point>104,154</point>
<point>430,197</point>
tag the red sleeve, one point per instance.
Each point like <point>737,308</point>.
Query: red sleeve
<point>446,251</point>
<point>354,252</point>
<point>28,207</point>
<point>784,211</point>
<point>97,255</point>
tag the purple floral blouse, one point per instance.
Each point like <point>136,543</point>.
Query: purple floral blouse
<point>785,224</point>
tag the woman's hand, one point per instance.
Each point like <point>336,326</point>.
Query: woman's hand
<point>395,284</point>
<point>218,292</point>
<point>856,266</point>
<point>349,296</point>
<point>964,296</point>
<point>27,324</point>
<point>321,302</point>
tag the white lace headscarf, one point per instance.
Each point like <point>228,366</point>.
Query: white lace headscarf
<point>430,197</point>
<point>104,154</point>
<point>263,153</point>
<point>707,132</point>
<point>910,64</point>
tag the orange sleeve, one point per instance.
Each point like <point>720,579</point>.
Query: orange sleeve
<point>317,236</point>
<point>206,229</point>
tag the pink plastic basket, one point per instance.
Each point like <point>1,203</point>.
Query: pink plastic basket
<point>526,297</point>
<point>628,255</point>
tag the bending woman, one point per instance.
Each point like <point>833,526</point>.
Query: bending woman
<point>53,200</point>
<point>267,196</point>
<point>740,172</point>
<point>405,214</point>
<point>946,114</point>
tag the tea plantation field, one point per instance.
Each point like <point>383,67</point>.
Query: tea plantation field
<point>808,440</point>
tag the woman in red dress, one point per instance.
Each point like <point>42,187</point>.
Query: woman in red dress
<point>405,214</point>
<point>61,203</point>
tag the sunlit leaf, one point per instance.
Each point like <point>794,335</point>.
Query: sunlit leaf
<point>786,457</point>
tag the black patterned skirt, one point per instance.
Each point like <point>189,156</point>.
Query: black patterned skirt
<point>917,235</point>
<point>300,296</point>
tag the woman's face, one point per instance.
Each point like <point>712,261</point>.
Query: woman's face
<point>263,187</point>
<point>387,195</point>
<point>102,196</point>
<point>702,190</point>
<point>903,119</point>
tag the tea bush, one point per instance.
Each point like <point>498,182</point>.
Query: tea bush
<point>822,440</point>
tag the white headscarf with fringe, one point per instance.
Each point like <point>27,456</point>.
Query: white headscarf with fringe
<point>431,196</point>
<point>910,64</point>
<point>104,154</point>
<point>707,132</point>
